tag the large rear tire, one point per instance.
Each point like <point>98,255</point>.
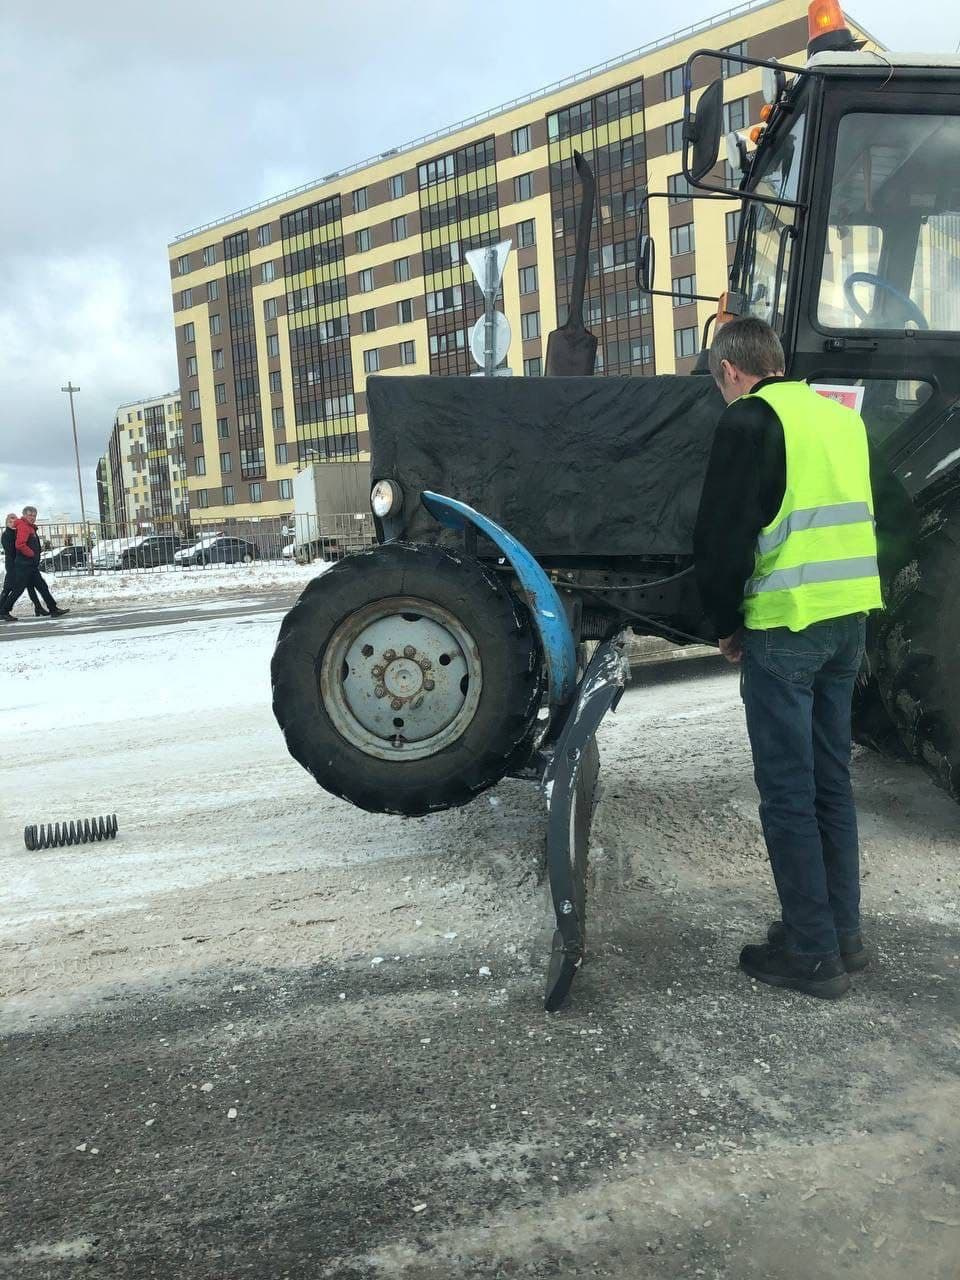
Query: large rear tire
<point>918,656</point>
<point>407,679</point>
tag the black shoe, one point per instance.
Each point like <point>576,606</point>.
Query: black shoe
<point>40,613</point>
<point>778,967</point>
<point>58,613</point>
<point>7,617</point>
<point>853,952</point>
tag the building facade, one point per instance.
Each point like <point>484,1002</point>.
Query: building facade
<point>141,479</point>
<point>282,311</point>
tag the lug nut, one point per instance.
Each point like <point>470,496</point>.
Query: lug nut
<point>428,685</point>
<point>397,704</point>
<point>409,651</point>
<point>424,664</point>
<point>378,672</point>
<point>380,691</point>
<point>389,655</point>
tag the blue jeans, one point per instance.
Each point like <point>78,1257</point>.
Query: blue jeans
<point>797,688</point>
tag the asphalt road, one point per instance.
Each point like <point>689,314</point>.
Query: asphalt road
<point>85,620</point>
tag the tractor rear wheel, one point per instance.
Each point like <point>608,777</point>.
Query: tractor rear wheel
<point>918,657</point>
<point>407,679</point>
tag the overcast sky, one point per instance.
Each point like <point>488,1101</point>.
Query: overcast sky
<point>124,125</point>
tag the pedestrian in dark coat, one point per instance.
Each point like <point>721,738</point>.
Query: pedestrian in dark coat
<point>25,572</point>
<point>9,540</point>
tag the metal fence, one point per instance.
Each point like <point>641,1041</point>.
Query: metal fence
<point>185,543</point>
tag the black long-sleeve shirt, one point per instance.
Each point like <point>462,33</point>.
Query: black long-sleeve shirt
<point>743,491</point>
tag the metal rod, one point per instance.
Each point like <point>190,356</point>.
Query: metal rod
<point>71,390</point>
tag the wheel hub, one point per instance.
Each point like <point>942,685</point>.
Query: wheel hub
<point>401,677</point>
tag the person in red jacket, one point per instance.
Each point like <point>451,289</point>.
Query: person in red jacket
<point>26,569</point>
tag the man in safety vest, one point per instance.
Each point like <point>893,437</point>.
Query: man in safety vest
<point>787,565</point>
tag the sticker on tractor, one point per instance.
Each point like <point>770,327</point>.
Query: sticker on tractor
<point>850,397</point>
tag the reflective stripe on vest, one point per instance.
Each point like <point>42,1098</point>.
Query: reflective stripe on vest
<point>817,557</point>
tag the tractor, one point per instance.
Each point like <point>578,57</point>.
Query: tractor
<point>519,519</point>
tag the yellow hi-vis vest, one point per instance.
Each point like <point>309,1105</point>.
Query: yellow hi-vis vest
<point>817,558</point>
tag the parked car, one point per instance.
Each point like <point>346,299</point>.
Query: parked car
<point>155,549</point>
<point>107,553</point>
<point>218,550</point>
<point>62,559</point>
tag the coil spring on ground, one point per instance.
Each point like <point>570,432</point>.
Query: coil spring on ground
<point>83,831</point>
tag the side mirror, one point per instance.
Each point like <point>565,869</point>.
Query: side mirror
<point>646,263</point>
<point>704,130</point>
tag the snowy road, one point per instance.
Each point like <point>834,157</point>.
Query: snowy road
<point>89,620</point>
<point>255,1035</point>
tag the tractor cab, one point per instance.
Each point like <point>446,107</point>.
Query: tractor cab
<point>849,238</point>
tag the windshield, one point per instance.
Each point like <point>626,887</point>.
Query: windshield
<point>767,246</point>
<point>892,253</point>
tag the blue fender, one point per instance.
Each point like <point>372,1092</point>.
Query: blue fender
<point>546,607</point>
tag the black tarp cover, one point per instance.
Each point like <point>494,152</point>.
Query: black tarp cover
<point>570,466</point>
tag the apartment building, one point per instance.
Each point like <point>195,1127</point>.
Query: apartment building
<point>141,479</point>
<point>283,310</point>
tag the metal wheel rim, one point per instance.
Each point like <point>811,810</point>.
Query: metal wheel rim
<point>437,701</point>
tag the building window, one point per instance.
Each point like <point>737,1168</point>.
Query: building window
<point>520,140</point>
<point>523,186</point>
<point>226,462</point>
<point>183,265</point>
<point>673,82</point>
<point>278,418</point>
<point>209,255</point>
<point>408,353</point>
<point>674,133</point>
<point>683,289</point>
<point>191,366</point>
<point>368,321</point>
<point>202,498</point>
<point>223,429</point>
<point>186,298</point>
<point>285,489</point>
<point>268,273</point>
<point>189,333</point>
<point>396,185</point>
<point>360,200</point>
<point>256,492</point>
<point>213,290</point>
<point>398,227</point>
<point>728,69</point>
<point>220,392</point>
<point>401,270</point>
<point>362,241</point>
<point>269,308</point>
<point>197,427</point>
<point>530,324</point>
<point>273,344</point>
<point>365,279</point>
<point>229,493</point>
<point>194,400</point>
<point>682,238</point>
<point>686,342</point>
<point>281,450</point>
<point>405,311</point>
<point>735,115</point>
<point>371,360</point>
<point>216,325</point>
<point>733,226</point>
<point>528,279</point>
<point>526,234</point>
<point>199,465</point>
<point>678,187</point>
<point>275,383</point>
<point>533,368</point>
<point>264,235</point>
<point>218,358</point>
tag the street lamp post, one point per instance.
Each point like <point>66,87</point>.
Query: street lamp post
<point>71,390</point>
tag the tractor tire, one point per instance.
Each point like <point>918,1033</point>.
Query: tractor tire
<point>407,679</point>
<point>918,656</point>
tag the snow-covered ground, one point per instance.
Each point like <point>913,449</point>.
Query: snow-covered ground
<point>152,586</point>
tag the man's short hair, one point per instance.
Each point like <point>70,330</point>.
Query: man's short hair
<point>750,345</point>
<point>26,509</point>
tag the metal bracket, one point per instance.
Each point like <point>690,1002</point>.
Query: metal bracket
<point>569,783</point>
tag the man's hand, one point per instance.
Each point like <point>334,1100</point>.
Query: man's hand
<point>732,646</point>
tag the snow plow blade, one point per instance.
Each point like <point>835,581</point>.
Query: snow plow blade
<point>569,778</point>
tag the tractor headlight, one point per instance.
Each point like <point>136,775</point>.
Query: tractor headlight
<point>386,499</point>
